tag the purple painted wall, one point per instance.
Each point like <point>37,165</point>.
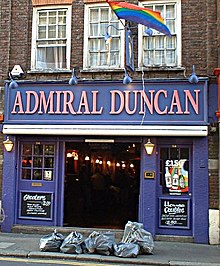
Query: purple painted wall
<point>9,187</point>
<point>149,193</point>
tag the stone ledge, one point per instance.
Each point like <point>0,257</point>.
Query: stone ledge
<point>169,238</point>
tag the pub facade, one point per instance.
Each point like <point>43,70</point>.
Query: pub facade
<point>80,153</point>
<point>94,150</point>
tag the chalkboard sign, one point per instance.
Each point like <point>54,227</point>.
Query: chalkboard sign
<point>174,213</point>
<point>36,205</point>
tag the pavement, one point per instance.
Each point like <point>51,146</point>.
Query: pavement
<point>25,245</point>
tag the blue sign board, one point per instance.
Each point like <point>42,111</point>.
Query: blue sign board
<point>100,103</point>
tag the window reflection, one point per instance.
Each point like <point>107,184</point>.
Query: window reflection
<point>26,162</point>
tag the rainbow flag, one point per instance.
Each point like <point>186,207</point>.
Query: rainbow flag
<point>140,15</point>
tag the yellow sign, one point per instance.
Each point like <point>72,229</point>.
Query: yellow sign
<point>149,174</point>
<point>35,184</point>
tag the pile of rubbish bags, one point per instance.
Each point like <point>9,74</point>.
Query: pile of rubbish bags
<point>136,240</point>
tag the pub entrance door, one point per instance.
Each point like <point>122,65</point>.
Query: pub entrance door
<point>174,190</point>
<point>101,184</point>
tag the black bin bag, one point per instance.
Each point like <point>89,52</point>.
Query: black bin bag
<point>126,250</point>
<point>100,243</point>
<point>72,243</point>
<point>135,233</point>
<point>51,242</point>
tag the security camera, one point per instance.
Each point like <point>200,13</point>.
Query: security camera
<point>17,71</point>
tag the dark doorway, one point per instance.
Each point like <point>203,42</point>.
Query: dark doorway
<point>101,184</point>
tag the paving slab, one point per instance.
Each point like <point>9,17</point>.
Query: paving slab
<point>165,253</point>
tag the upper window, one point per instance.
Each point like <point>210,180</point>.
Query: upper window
<point>51,39</point>
<point>159,50</point>
<point>100,19</point>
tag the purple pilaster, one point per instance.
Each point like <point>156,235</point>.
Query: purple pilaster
<point>200,192</point>
<point>148,210</point>
<point>9,188</point>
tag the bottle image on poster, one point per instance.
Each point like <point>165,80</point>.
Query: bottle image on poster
<point>176,176</point>
<point>181,179</point>
<point>175,179</point>
<point>168,178</point>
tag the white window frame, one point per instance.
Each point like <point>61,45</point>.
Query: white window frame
<point>86,41</point>
<point>178,32</point>
<point>34,35</point>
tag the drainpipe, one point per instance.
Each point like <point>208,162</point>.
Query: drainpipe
<point>217,73</point>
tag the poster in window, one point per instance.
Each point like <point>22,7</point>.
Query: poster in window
<point>48,175</point>
<point>176,177</point>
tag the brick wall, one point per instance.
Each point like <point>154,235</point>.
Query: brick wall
<point>199,40</point>
<point>213,169</point>
<point>4,38</point>
<point>199,35</point>
<point>20,48</point>
<point>5,21</point>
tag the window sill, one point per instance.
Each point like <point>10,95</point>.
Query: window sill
<point>160,69</point>
<point>49,71</point>
<point>108,70</point>
<point>98,70</point>
<point>138,69</point>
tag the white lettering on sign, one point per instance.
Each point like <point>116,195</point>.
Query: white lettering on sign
<point>175,163</point>
<point>173,208</point>
<point>34,197</point>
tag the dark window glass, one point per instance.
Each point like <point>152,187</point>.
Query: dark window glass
<point>48,162</point>
<point>37,162</point>
<point>37,175</point>
<point>49,150</point>
<point>38,149</point>
<point>174,153</point>
<point>184,153</point>
<point>26,174</point>
<point>27,149</point>
<point>164,153</point>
